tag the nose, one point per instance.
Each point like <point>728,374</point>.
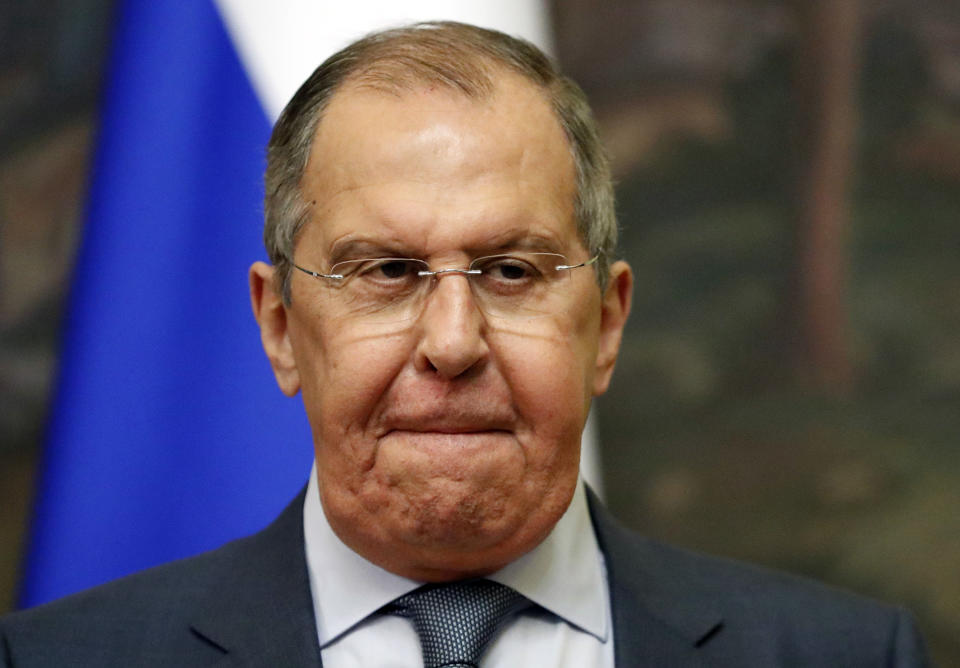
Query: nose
<point>452,339</point>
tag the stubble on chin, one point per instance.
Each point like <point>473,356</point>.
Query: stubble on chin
<point>419,513</point>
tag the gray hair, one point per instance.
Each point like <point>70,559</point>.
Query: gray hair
<point>460,57</point>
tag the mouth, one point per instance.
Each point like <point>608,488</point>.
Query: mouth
<point>453,430</point>
<point>448,436</point>
<point>448,424</point>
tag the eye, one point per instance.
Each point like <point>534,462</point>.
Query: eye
<point>393,269</point>
<point>386,270</point>
<point>507,268</point>
<point>512,272</point>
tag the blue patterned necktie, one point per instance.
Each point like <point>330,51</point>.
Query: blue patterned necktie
<point>456,622</point>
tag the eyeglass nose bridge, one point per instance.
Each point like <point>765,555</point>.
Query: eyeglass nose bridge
<point>440,272</point>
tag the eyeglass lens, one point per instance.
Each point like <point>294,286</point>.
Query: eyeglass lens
<point>515,286</point>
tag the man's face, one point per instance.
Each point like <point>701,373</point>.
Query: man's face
<point>447,445</point>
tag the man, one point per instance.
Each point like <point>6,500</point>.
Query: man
<point>442,294</point>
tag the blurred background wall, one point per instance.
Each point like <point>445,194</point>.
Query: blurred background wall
<point>789,187</point>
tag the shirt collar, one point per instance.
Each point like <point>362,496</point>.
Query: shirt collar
<point>564,574</point>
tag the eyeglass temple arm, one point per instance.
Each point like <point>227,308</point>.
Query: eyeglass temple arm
<point>317,274</point>
<point>582,264</point>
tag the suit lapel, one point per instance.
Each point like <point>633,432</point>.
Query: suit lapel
<point>259,609</point>
<point>660,618</point>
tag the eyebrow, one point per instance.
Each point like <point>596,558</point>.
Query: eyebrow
<point>351,249</point>
<point>531,243</point>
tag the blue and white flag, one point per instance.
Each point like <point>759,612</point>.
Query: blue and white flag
<point>168,435</point>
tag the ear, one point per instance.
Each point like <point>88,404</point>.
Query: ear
<point>271,315</point>
<point>613,316</point>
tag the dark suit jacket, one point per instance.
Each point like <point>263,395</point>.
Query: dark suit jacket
<point>248,604</point>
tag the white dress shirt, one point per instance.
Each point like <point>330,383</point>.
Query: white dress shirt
<point>565,575</point>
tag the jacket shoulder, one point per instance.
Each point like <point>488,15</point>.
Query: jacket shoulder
<point>137,615</point>
<point>736,613</point>
<point>792,620</point>
<point>168,615</point>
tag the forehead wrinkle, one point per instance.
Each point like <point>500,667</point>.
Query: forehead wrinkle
<point>395,205</point>
<point>424,234</point>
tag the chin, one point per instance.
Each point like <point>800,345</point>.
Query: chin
<point>476,535</point>
<point>442,529</point>
<point>458,519</point>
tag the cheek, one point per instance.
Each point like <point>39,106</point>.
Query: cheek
<point>343,379</point>
<point>547,380</point>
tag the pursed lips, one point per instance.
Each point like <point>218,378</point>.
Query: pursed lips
<point>451,432</point>
<point>478,413</point>
<point>472,428</point>
<point>432,425</point>
<point>437,439</point>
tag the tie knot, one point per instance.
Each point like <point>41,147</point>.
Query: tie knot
<point>456,622</point>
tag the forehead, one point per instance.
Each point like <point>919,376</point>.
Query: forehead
<point>431,166</point>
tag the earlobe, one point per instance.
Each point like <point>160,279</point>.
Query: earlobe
<point>271,316</point>
<point>613,317</point>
